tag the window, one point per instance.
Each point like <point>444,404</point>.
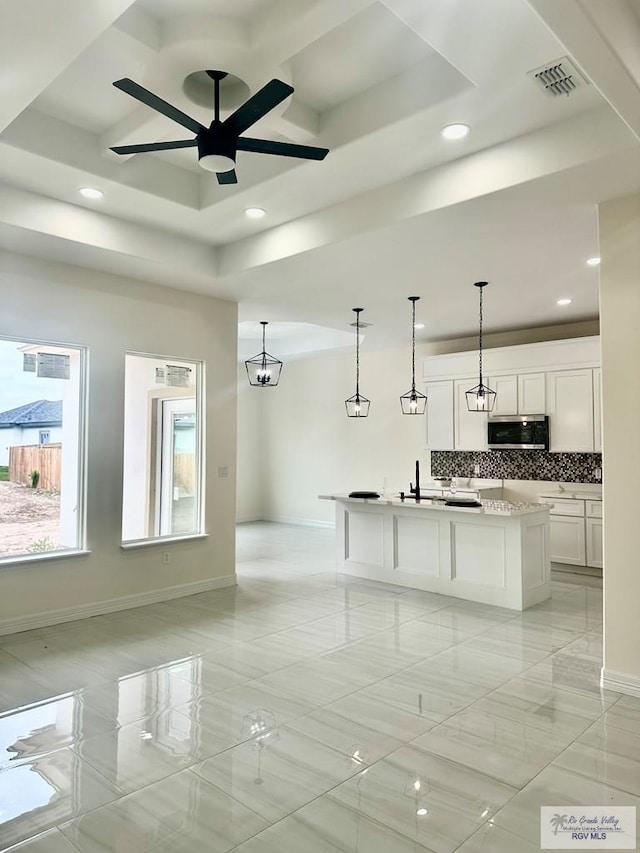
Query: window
<point>42,401</point>
<point>162,478</point>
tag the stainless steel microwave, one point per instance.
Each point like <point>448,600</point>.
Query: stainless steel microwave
<point>518,432</point>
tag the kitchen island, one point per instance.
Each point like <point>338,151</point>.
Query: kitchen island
<point>497,553</point>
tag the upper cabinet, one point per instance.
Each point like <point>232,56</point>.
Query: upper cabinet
<point>439,414</point>
<point>506,388</point>
<point>531,394</point>
<point>557,378</point>
<point>519,394</point>
<point>570,410</point>
<point>470,428</point>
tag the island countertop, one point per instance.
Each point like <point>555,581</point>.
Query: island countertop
<point>489,507</point>
<point>496,553</point>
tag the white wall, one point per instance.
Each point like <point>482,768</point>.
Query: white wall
<point>112,315</point>
<point>619,311</point>
<point>313,448</point>
<point>252,449</point>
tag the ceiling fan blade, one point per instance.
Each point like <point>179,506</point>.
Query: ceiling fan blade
<point>257,106</point>
<point>155,146</point>
<point>285,149</point>
<point>146,97</point>
<point>227,177</point>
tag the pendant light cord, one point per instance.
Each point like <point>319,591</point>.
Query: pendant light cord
<point>358,355</point>
<point>413,350</point>
<point>480,336</point>
<point>264,349</point>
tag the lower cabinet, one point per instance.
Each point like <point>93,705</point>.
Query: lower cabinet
<point>575,531</point>
<point>594,542</point>
<point>568,540</point>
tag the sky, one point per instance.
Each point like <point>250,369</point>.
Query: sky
<point>18,387</point>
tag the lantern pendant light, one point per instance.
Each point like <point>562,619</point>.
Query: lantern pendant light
<point>357,406</point>
<point>480,398</point>
<point>263,369</point>
<point>413,402</point>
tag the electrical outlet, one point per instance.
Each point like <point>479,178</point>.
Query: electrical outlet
<point>166,557</point>
<point>476,469</point>
<point>598,473</point>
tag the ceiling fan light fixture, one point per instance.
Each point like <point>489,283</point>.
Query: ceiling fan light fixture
<point>217,163</point>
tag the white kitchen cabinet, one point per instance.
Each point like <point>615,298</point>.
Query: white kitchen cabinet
<point>570,409</point>
<point>567,540</point>
<point>594,542</point>
<point>597,410</point>
<point>439,415</point>
<point>575,530</point>
<point>470,428</point>
<point>531,394</point>
<point>506,388</point>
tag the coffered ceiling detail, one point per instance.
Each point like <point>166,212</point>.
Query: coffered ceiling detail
<point>374,81</point>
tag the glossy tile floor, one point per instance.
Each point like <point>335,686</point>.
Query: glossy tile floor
<point>305,712</point>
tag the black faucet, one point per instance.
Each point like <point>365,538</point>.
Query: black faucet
<point>416,491</point>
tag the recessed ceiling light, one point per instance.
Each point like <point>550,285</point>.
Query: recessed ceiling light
<point>422,812</point>
<point>255,212</point>
<point>593,262</point>
<point>91,192</point>
<point>455,131</point>
<point>418,326</point>
<point>564,301</point>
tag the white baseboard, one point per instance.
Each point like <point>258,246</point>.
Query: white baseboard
<point>98,608</point>
<point>247,519</point>
<point>621,682</point>
<point>301,522</point>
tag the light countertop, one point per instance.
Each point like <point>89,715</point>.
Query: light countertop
<point>573,494</point>
<point>489,507</point>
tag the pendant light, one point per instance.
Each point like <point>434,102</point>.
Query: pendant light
<point>357,406</point>
<point>263,369</point>
<point>413,402</point>
<point>480,398</point>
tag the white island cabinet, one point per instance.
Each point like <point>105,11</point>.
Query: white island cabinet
<point>495,554</point>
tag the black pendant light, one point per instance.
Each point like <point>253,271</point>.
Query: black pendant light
<point>413,402</point>
<point>357,406</point>
<point>263,369</point>
<point>480,398</point>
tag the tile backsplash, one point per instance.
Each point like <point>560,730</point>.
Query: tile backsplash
<point>518,465</point>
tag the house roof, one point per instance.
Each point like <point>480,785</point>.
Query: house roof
<point>39,413</point>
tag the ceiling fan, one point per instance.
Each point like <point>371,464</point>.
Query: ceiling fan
<point>217,144</point>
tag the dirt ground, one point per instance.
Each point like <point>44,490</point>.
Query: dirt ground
<point>27,516</point>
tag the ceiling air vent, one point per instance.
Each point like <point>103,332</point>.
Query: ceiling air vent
<point>560,77</point>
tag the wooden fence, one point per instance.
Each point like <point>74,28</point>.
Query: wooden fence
<point>184,472</point>
<point>46,459</point>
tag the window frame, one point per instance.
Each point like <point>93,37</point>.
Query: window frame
<point>199,367</point>
<point>80,548</point>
